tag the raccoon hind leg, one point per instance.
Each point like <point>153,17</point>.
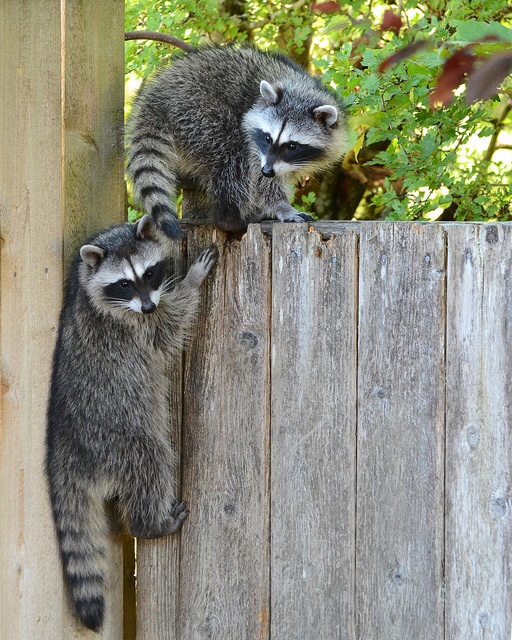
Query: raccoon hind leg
<point>226,216</point>
<point>172,523</point>
<point>229,194</point>
<point>148,500</point>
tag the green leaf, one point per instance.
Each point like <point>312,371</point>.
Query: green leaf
<point>473,31</point>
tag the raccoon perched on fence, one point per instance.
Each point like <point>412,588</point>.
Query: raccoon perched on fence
<point>107,433</point>
<point>240,125</point>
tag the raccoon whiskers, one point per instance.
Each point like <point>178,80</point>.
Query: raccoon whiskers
<point>170,283</point>
<point>120,304</point>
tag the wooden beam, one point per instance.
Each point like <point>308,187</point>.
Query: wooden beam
<point>313,433</point>
<point>400,451</point>
<point>57,174</point>
<point>478,438</point>
<point>158,561</point>
<point>31,600</point>
<point>224,575</point>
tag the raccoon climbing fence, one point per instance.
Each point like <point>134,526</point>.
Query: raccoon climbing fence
<point>342,413</point>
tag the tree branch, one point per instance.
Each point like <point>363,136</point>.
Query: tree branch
<point>498,126</point>
<point>159,37</point>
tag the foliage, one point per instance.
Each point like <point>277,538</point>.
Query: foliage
<point>410,159</point>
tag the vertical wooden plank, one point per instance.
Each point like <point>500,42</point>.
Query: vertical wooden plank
<point>400,454</point>
<point>31,282</point>
<point>478,440</point>
<point>314,337</point>
<point>94,193</point>
<point>158,560</point>
<point>224,550</point>
<point>35,195</point>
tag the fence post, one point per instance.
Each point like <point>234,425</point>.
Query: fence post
<point>61,115</point>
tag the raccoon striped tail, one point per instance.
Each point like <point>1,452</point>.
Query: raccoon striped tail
<point>82,533</point>
<point>154,184</point>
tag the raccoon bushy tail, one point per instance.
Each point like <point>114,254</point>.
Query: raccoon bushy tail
<point>153,181</point>
<point>82,534</point>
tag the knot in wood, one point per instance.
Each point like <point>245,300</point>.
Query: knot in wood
<point>473,436</point>
<point>491,235</point>
<point>499,507</point>
<point>381,393</point>
<point>229,509</point>
<point>248,340</point>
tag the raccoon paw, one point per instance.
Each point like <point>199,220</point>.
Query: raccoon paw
<point>202,266</point>
<point>175,519</point>
<point>295,216</point>
<point>171,524</point>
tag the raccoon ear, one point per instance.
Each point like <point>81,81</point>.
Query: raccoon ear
<point>327,114</point>
<point>145,228</point>
<point>269,94</point>
<point>92,255</point>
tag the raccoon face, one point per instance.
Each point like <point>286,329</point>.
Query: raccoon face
<point>138,289</point>
<point>290,139</point>
<point>281,152</point>
<point>128,277</point>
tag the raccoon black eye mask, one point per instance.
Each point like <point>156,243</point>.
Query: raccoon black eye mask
<point>122,319</point>
<point>240,125</point>
<point>140,292</point>
<point>293,154</point>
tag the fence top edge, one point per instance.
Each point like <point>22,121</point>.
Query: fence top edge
<point>327,228</point>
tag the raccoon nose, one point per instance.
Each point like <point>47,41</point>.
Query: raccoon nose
<point>148,307</point>
<point>268,172</point>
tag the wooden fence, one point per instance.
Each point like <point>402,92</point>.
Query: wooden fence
<point>345,434</point>
<point>343,412</point>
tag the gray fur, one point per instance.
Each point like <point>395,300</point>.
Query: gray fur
<point>202,122</point>
<point>107,434</point>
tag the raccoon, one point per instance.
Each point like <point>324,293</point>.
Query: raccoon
<point>240,125</point>
<point>107,427</point>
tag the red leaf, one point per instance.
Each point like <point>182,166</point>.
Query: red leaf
<point>485,81</point>
<point>391,22</point>
<point>401,54</point>
<point>454,70</point>
<point>326,7</point>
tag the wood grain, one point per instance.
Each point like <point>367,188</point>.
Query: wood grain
<point>313,382</point>
<point>158,560</point>
<point>94,194</point>
<point>400,462</point>
<point>224,552</point>
<point>33,602</point>
<point>478,440</point>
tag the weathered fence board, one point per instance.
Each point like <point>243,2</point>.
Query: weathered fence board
<point>158,560</point>
<point>35,63</point>
<point>478,440</point>
<point>31,602</point>
<point>224,551</point>
<point>94,196</point>
<point>313,397</point>
<point>93,68</point>
<point>399,558</point>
